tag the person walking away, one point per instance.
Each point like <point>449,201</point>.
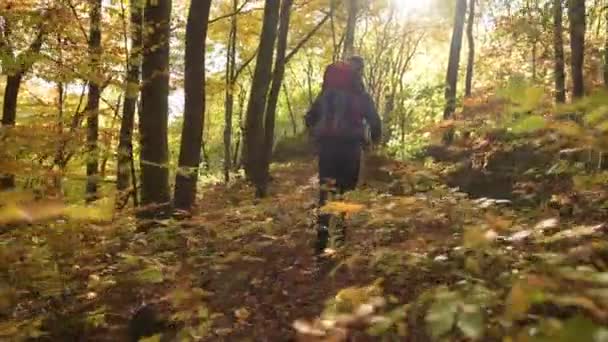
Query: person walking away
<point>336,121</point>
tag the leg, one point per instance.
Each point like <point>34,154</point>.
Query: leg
<point>348,175</point>
<point>327,186</point>
<point>348,178</point>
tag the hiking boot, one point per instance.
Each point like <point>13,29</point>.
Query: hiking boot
<point>322,239</point>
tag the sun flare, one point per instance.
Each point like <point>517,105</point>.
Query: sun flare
<point>407,7</point>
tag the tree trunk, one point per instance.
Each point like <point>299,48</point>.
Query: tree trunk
<point>107,152</point>
<point>471,43</point>
<point>576,14</point>
<point>236,165</point>
<point>332,16</point>
<point>92,108</point>
<point>454,61</point>
<point>275,89</point>
<point>309,72</point>
<point>15,76</point>
<point>388,109</point>
<point>125,143</point>
<point>154,115</point>
<point>558,47</point>
<point>292,118</point>
<point>254,132</point>
<point>11,93</point>
<point>9,115</point>
<point>229,104</point>
<point>606,48</point>
<point>194,105</point>
<point>349,37</point>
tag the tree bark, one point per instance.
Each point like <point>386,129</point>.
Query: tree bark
<point>92,108</point>
<point>154,116</point>
<point>454,61</point>
<point>11,91</point>
<point>349,38</point>
<point>194,114</point>
<point>606,48</point>
<point>576,14</point>
<point>254,132</point>
<point>471,46</point>
<point>275,89</point>
<point>558,47</point>
<point>125,143</point>
<point>236,165</point>
<point>229,104</point>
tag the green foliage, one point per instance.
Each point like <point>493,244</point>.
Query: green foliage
<point>529,124</point>
<point>461,309</point>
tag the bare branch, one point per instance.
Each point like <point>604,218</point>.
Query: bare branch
<point>237,12</point>
<point>80,26</point>
<point>306,38</point>
<point>244,65</point>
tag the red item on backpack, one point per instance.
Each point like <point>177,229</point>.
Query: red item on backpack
<point>339,76</point>
<point>340,103</point>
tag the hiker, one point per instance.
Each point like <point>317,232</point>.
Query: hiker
<point>336,121</point>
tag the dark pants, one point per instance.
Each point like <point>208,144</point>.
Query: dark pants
<point>338,170</point>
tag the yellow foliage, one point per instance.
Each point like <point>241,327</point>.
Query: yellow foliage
<point>349,299</point>
<point>341,208</point>
<point>476,237</point>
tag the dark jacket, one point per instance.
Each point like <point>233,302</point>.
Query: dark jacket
<point>369,114</point>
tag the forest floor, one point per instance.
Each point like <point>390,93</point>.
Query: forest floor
<point>522,253</point>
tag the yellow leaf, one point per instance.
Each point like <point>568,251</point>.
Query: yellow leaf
<point>341,208</point>
<point>476,237</point>
<point>518,302</point>
<point>242,314</point>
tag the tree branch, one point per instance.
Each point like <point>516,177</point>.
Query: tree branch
<point>80,26</point>
<point>237,12</point>
<point>244,65</point>
<point>306,38</point>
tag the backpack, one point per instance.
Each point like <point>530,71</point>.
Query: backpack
<point>339,104</point>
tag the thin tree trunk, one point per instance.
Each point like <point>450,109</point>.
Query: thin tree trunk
<point>606,47</point>
<point>154,115</point>
<point>471,45</point>
<point>332,12</point>
<point>309,71</point>
<point>229,104</point>
<point>254,133</point>
<point>92,108</point>
<point>125,143</point>
<point>576,14</point>
<point>558,47</point>
<point>454,61</point>
<point>388,109</point>
<point>15,76</point>
<point>534,59</point>
<point>194,108</point>
<point>236,165</point>
<point>11,93</point>
<point>106,155</point>
<point>275,89</point>
<point>349,38</point>
<point>292,117</point>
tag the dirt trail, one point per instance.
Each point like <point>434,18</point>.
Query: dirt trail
<point>270,278</point>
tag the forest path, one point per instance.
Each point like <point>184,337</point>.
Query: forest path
<point>267,276</point>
